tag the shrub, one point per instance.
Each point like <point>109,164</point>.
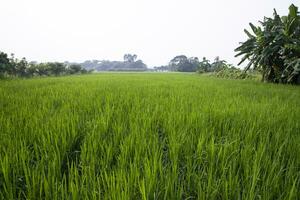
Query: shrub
<point>234,73</point>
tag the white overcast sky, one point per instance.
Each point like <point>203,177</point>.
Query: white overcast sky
<point>155,30</point>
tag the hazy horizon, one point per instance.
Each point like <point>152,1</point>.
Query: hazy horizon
<point>155,30</point>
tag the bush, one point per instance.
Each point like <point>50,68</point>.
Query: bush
<point>234,73</point>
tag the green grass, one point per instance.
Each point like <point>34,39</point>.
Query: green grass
<point>148,136</point>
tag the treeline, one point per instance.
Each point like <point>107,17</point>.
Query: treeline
<point>129,63</point>
<point>218,68</point>
<point>13,67</point>
<point>182,63</point>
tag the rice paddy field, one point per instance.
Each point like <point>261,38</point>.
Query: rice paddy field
<point>148,136</point>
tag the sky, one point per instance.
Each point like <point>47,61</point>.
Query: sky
<point>155,30</point>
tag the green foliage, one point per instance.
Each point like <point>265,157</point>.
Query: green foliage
<point>182,63</point>
<point>4,63</point>
<point>75,69</point>
<point>21,68</point>
<point>205,65</point>
<point>148,136</point>
<point>274,48</point>
<point>219,65</point>
<point>57,68</point>
<point>234,73</point>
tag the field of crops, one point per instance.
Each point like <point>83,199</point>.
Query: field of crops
<point>148,136</point>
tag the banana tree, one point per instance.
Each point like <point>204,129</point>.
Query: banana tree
<point>274,48</point>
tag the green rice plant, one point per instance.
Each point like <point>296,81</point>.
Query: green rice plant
<point>148,136</point>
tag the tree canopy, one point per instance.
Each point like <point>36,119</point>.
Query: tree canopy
<point>4,63</point>
<point>182,63</point>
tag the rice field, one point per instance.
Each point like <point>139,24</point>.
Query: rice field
<point>148,136</point>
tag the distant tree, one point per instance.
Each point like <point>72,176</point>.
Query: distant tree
<point>21,67</point>
<point>218,64</point>
<point>204,65</point>
<point>56,68</point>
<point>161,68</point>
<point>182,63</point>
<point>130,58</point>
<point>5,64</point>
<point>194,60</point>
<point>137,65</point>
<point>43,69</point>
<point>89,64</point>
<point>75,69</point>
<point>32,69</point>
<point>193,64</point>
<point>178,62</point>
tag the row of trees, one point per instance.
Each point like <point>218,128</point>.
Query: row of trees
<point>11,66</point>
<point>274,48</point>
<point>130,63</point>
<point>182,63</point>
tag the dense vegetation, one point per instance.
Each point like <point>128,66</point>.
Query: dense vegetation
<point>182,63</point>
<point>148,136</point>
<point>10,66</point>
<point>274,48</point>
<point>235,73</point>
<point>13,67</point>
